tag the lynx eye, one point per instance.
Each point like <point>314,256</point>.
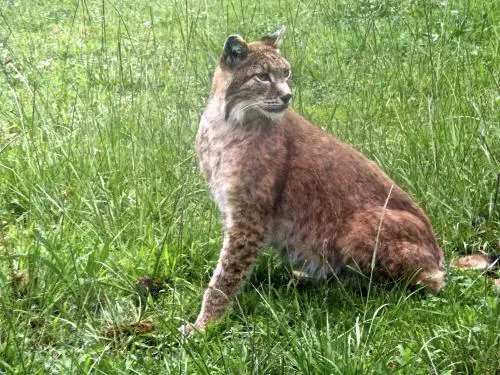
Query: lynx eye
<point>287,73</point>
<point>263,77</point>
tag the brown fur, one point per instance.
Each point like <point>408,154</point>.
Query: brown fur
<point>479,261</point>
<point>280,181</point>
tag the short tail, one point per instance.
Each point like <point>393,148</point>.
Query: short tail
<point>479,261</point>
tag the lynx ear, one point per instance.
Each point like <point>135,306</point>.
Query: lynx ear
<point>235,51</point>
<point>274,40</point>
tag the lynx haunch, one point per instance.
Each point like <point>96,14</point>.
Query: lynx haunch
<point>280,181</point>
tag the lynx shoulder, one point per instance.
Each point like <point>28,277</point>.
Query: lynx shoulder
<point>281,182</point>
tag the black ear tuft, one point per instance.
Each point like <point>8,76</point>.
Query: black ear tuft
<point>274,40</point>
<point>235,51</point>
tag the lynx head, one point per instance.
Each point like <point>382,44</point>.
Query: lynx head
<point>253,79</point>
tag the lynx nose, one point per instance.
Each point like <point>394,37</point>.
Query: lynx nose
<point>286,98</point>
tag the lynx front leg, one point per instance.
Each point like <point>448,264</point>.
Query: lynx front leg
<point>239,252</point>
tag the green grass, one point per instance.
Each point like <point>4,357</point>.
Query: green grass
<point>99,184</point>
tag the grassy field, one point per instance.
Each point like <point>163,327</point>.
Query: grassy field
<point>99,184</point>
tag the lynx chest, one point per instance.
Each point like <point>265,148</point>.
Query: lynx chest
<point>220,150</point>
<point>241,162</point>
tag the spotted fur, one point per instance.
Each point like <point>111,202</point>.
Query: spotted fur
<point>281,182</point>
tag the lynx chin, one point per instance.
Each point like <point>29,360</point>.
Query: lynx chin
<point>281,182</point>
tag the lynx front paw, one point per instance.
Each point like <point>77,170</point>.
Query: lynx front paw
<point>189,329</point>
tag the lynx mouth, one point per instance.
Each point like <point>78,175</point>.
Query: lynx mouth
<point>276,109</point>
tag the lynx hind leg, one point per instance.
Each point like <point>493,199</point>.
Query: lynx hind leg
<point>239,252</point>
<point>404,247</point>
<point>415,262</point>
<point>433,281</point>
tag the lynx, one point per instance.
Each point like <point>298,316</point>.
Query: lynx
<point>281,182</point>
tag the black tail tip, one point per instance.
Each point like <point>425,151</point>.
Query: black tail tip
<point>494,260</point>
